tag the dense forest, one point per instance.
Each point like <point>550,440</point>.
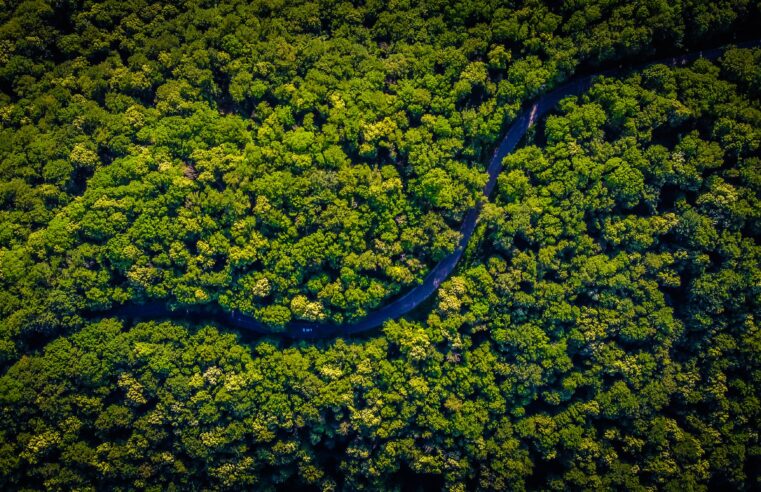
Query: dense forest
<point>313,161</point>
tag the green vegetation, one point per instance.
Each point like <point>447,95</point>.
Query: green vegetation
<point>282,160</point>
<point>311,161</point>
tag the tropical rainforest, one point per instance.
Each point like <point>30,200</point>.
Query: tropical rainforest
<point>313,161</point>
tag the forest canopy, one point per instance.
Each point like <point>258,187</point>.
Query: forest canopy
<point>314,160</point>
<point>284,160</point>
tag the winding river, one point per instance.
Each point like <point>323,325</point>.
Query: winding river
<point>409,301</point>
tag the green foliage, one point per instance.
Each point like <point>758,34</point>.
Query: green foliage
<point>185,151</point>
<point>297,160</point>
